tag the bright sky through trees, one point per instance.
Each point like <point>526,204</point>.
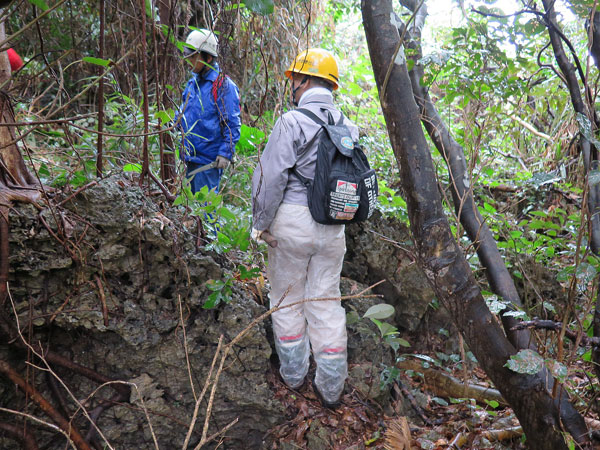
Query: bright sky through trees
<point>448,13</point>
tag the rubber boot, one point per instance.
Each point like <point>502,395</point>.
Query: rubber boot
<point>331,374</point>
<point>293,354</point>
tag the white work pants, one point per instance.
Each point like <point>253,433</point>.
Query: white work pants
<point>306,264</point>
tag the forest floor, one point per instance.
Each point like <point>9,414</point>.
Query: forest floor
<point>443,423</point>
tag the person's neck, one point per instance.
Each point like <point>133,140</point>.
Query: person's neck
<point>312,91</point>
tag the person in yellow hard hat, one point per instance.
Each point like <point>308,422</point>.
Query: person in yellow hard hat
<point>316,63</point>
<point>307,261</point>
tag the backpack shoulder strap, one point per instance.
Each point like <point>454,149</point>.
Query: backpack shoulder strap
<point>218,84</point>
<point>317,120</point>
<point>216,89</point>
<point>305,181</point>
<point>311,115</point>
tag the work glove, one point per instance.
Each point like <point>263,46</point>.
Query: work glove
<point>222,162</point>
<point>255,235</point>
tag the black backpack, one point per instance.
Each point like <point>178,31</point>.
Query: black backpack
<point>344,189</point>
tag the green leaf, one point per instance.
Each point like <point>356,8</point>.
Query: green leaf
<point>226,213</point>
<point>215,285</point>
<point>43,171</point>
<point>585,127</point>
<point>440,401</point>
<point>243,244</point>
<point>425,358</point>
<point>557,369</point>
<point>223,238</point>
<point>97,61</point>
<point>492,403</point>
<point>164,116</point>
<point>587,356</point>
<point>181,200</point>
<point>40,4</point>
<point>539,213</point>
<point>399,341</point>
<point>380,311</point>
<point>489,208</point>
<point>496,305</point>
<point>526,361</point>
<point>263,7</point>
<point>518,314</point>
<point>585,272</point>
<point>565,273</point>
<point>137,168</point>
<point>212,301</point>
<point>386,329</point>
<point>148,8</point>
<point>247,274</point>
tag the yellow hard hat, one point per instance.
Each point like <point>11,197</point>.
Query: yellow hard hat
<point>315,62</point>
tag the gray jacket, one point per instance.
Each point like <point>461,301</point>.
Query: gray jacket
<point>293,141</point>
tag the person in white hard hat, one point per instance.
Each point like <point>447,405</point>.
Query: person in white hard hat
<point>209,115</point>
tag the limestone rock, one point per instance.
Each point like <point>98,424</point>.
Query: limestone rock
<point>380,249</point>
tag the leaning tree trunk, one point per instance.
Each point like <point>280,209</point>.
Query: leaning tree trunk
<point>446,268</point>
<point>585,108</point>
<point>479,233</point>
<point>593,29</point>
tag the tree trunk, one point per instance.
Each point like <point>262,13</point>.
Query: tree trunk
<point>16,182</point>
<point>164,68</point>
<point>439,255</point>
<point>593,29</point>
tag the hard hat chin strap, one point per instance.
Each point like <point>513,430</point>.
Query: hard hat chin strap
<point>294,90</point>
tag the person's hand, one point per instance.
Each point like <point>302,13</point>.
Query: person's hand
<point>255,235</point>
<point>263,237</point>
<point>222,162</point>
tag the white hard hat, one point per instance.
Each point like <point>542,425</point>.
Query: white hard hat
<point>201,41</point>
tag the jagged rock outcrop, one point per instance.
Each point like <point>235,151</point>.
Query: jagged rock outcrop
<point>380,249</point>
<point>106,283</point>
<point>111,281</point>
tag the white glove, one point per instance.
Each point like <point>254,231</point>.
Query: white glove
<point>222,162</point>
<point>255,235</point>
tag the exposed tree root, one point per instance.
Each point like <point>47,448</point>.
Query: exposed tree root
<point>39,399</point>
<point>445,385</point>
<point>491,435</point>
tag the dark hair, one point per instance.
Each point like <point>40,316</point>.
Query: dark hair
<point>322,82</point>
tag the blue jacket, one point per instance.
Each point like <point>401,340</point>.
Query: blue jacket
<point>209,128</point>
